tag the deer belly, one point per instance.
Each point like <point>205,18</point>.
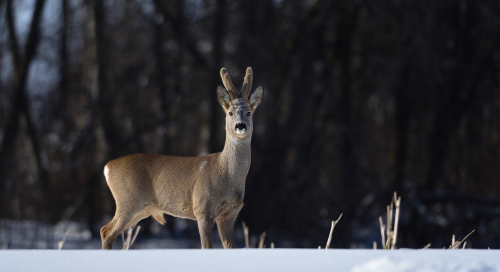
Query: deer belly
<point>178,210</point>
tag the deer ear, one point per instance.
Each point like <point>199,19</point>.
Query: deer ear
<point>256,97</point>
<point>223,97</point>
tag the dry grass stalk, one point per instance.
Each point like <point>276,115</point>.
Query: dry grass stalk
<point>388,229</point>
<point>272,245</point>
<point>61,243</point>
<point>389,236</point>
<point>334,223</point>
<point>135,235</point>
<point>261,240</point>
<point>427,246</point>
<point>456,244</point>
<point>382,231</point>
<point>397,203</point>
<point>245,235</point>
<point>131,236</point>
<point>374,244</point>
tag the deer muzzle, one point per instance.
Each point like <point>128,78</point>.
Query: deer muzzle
<point>240,128</point>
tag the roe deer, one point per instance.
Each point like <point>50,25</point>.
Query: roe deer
<point>206,189</point>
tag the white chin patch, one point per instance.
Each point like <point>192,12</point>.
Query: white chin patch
<point>240,131</point>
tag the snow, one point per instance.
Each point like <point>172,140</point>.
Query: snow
<point>354,260</point>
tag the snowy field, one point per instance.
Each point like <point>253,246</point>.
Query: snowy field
<point>428,260</point>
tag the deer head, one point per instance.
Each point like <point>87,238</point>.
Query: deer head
<point>239,106</point>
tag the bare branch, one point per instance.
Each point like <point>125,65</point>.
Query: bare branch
<point>182,35</point>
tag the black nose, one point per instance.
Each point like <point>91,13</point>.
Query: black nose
<point>241,126</point>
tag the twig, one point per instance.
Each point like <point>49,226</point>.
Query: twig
<point>389,236</point>
<point>135,235</point>
<point>334,223</point>
<point>245,235</point>
<point>61,243</point>
<point>456,244</point>
<point>397,202</point>
<point>126,240</point>
<point>388,232</point>
<point>261,240</point>
<point>123,240</point>
<point>127,243</point>
<point>382,231</point>
<point>468,235</point>
<point>427,246</point>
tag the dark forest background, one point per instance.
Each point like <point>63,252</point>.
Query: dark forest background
<point>362,98</point>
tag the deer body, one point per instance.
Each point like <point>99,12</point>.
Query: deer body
<point>207,188</point>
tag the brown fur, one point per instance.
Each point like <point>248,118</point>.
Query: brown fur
<point>207,189</point>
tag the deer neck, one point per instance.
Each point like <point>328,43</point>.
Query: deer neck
<point>236,157</point>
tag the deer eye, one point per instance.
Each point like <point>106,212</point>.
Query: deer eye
<point>249,113</point>
<point>230,114</point>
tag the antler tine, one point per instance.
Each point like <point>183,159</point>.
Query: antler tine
<point>247,83</point>
<point>226,79</point>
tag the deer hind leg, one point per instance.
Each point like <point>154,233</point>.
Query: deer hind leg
<point>120,222</point>
<point>105,231</point>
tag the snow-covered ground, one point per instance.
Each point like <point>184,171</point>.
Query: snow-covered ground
<point>36,235</point>
<point>355,260</point>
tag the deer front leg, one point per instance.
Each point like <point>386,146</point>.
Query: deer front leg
<point>205,226</point>
<point>226,230</point>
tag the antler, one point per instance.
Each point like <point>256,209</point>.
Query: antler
<point>247,84</point>
<point>226,79</point>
